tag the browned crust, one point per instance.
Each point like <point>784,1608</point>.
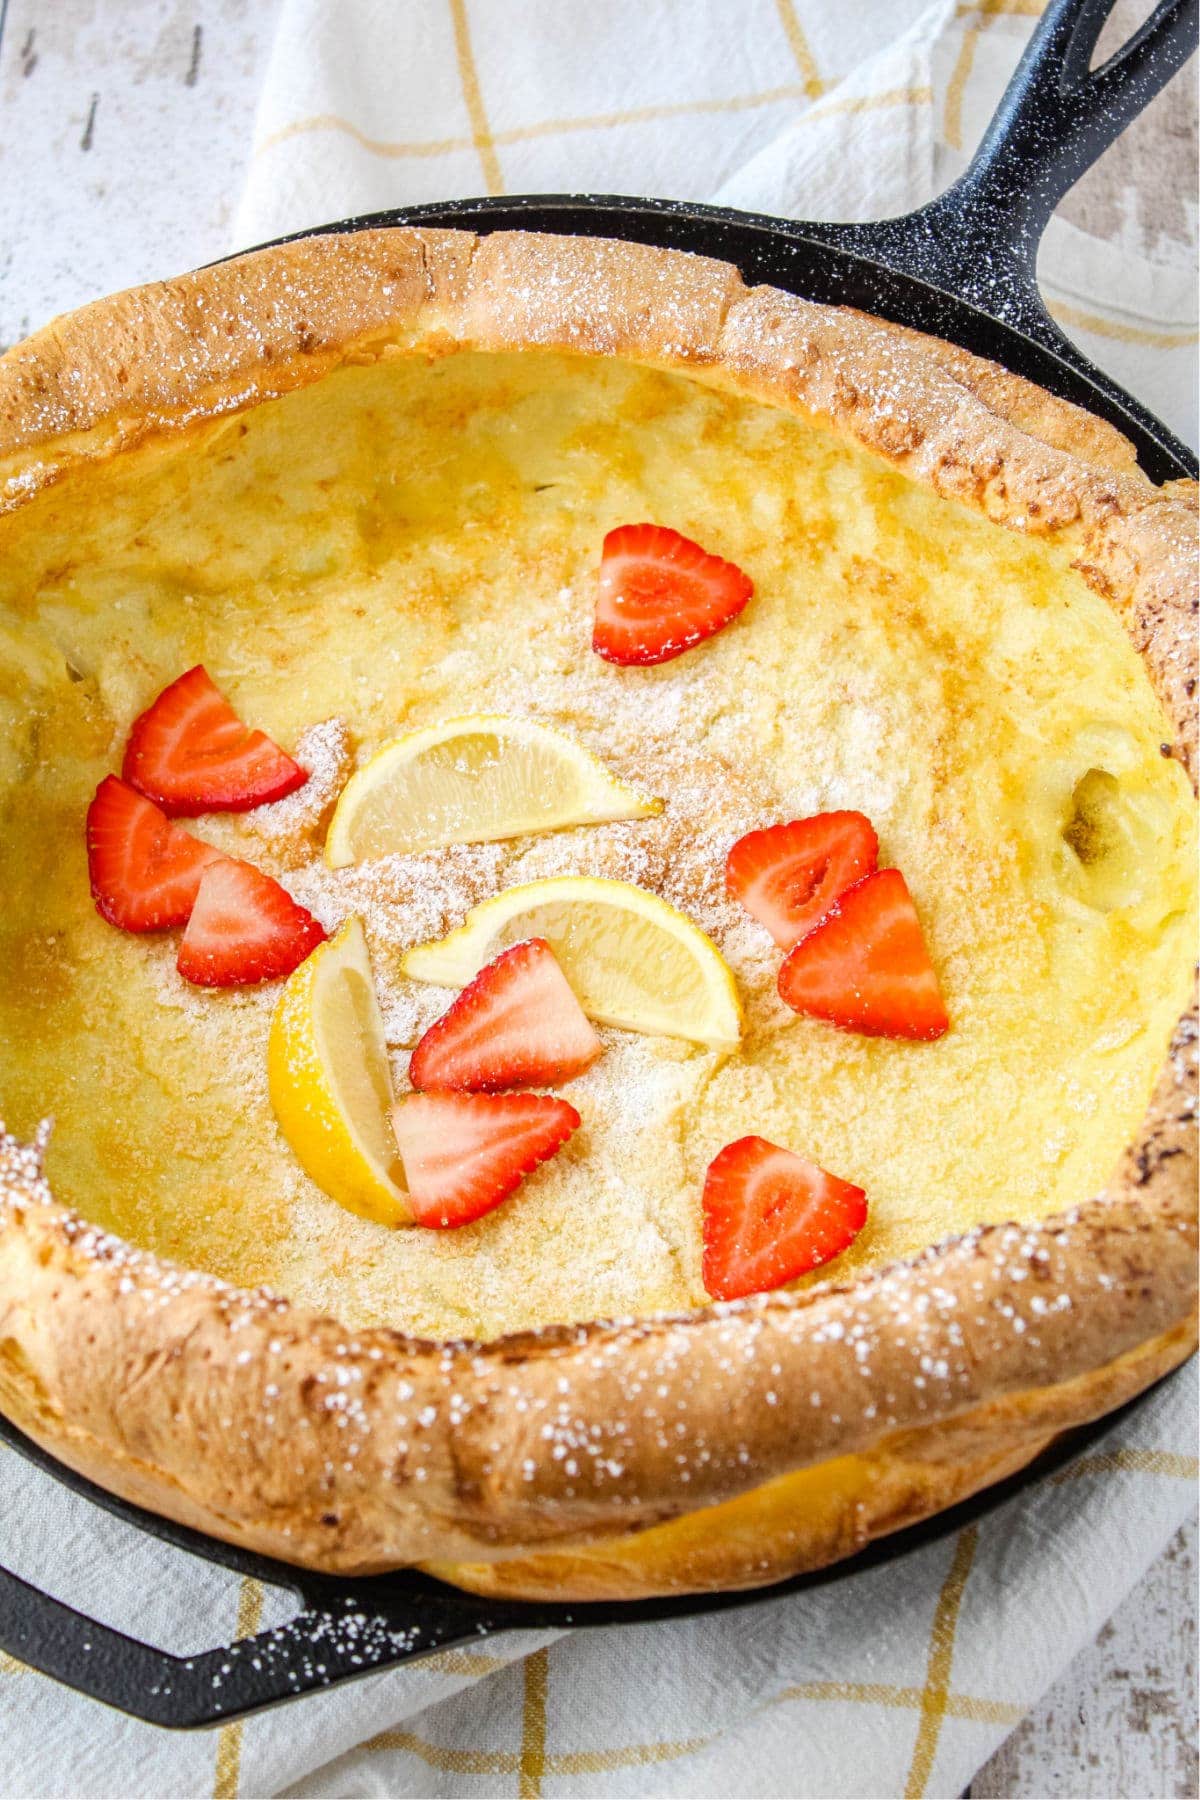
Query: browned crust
<point>809,1519</point>
<point>277,1429</point>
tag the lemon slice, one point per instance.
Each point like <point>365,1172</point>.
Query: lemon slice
<point>631,959</point>
<point>330,1086</point>
<point>470,781</point>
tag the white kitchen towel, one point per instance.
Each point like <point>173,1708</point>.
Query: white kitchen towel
<point>903,1678</point>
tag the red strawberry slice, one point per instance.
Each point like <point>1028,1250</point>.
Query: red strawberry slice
<point>517,1025</point>
<point>866,966</point>
<point>244,928</point>
<point>660,593</point>
<point>465,1153</point>
<point>770,1216</point>
<point>191,753</point>
<point>789,876</point>
<point>144,870</point>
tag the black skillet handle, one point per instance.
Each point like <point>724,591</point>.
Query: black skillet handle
<point>979,239</point>
<point>337,1638</point>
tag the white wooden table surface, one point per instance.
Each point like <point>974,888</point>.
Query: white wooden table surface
<point>124,130</point>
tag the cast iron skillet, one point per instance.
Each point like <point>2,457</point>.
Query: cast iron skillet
<point>963,268</point>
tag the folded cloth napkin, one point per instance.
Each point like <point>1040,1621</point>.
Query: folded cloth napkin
<point>903,1678</point>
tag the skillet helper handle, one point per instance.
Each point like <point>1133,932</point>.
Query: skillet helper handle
<point>979,239</point>
<point>335,1639</point>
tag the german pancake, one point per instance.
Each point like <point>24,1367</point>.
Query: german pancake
<point>366,483</point>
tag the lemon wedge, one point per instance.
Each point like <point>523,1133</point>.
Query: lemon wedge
<point>631,959</point>
<point>470,781</point>
<point>330,1086</point>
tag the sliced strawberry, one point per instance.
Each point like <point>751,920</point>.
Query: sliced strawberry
<point>465,1153</point>
<point>770,1216</point>
<point>789,876</point>
<point>191,753</point>
<point>660,593</point>
<point>517,1025</point>
<point>144,870</point>
<point>866,966</point>
<point>244,928</point>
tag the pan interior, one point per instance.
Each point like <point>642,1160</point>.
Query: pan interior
<point>418,539</point>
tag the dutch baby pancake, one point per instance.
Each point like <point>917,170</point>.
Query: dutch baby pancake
<point>598,912</point>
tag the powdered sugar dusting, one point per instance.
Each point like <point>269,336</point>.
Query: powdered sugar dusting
<point>677,732</point>
<point>292,824</point>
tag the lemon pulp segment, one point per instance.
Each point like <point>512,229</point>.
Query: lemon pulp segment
<point>329,1079</point>
<point>472,781</point>
<point>631,959</point>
